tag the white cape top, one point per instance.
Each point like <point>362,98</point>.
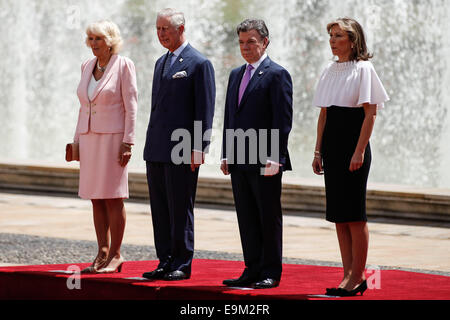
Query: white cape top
<point>350,84</point>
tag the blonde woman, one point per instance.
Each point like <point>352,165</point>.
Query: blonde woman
<point>106,132</point>
<point>349,94</point>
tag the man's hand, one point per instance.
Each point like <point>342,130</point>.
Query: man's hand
<point>271,169</point>
<point>197,159</point>
<point>224,167</point>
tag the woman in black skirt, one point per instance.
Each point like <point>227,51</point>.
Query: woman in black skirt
<point>349,94</point>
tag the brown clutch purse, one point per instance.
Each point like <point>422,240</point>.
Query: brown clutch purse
<point>72,152</point>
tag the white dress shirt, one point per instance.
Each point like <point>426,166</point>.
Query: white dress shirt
<point>178,51</point>
<point>255,65</point>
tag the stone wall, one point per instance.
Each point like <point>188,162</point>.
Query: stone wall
<point>389,201</point>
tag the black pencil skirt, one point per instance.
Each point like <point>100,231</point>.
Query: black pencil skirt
<point>345,190</point>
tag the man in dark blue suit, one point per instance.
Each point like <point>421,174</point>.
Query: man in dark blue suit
<point>183,98</point>
<point>258,120</point>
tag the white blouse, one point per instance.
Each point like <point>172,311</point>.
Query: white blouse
<point>350,84</point>
<point>91,88</point>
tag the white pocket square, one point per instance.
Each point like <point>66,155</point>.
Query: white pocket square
<point>181,74</point>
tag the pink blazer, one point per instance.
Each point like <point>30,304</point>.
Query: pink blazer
<point>113,108</point>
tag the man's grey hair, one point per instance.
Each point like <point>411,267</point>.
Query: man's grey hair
<point>253,24</point>
<point>176,17</point>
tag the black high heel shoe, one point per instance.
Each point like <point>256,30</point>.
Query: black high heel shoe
<point>332,291</point>
<point>346,293</point>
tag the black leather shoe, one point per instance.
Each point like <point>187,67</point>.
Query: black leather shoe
<point>155,274</point>
<point>242,281</point>
<point>176,275</point>
<point>266,284</point>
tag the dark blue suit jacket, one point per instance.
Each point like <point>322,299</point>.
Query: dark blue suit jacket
<point>178,102</point>
<point>266,104</point>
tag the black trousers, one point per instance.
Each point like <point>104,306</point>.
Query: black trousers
<point>172,191</point>
<point>258,206</point>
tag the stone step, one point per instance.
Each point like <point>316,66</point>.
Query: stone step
<point>297,198</point>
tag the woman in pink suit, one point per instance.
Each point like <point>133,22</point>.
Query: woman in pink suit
<point>105,133</point>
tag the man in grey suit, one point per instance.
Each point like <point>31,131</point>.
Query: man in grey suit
<point>183,97</point>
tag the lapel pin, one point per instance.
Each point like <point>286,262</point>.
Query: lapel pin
<point>181,59</point>
<point>260,73</point>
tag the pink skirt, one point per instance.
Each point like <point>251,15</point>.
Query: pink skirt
<point>101,176</point>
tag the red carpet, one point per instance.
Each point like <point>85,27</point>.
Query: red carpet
<point>299,282</point>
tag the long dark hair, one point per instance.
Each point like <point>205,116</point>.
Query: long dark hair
<point>356,34</point>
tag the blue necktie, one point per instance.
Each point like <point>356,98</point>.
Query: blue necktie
<point>167,64</point>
